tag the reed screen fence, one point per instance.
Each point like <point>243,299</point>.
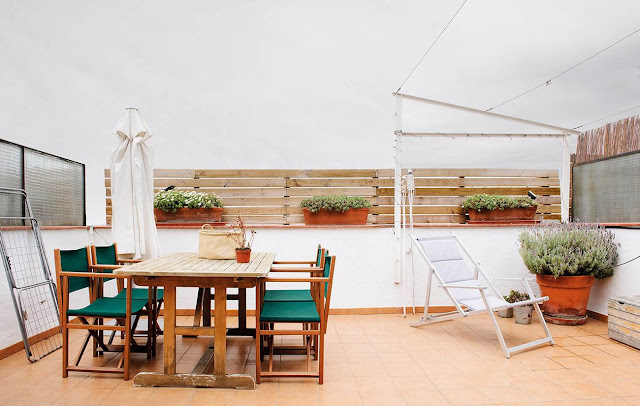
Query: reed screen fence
<point>610,140</point>
<point>273,196</point>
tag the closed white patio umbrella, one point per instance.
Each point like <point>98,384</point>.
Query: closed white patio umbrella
<point>133,222</point>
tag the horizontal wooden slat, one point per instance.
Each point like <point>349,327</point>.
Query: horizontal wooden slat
<point>514,191</point>
<point>475,172</point>
<point>364,191</point>
<point>349,173</point>
<point>388,182</point>
<point>420,210</point>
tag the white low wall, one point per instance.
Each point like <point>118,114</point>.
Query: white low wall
<point>364,267</point>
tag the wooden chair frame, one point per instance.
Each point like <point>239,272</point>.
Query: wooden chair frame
<point>96,325</point>
<point>153,305</point>
<point>315,330</point>
<point>313,271</point>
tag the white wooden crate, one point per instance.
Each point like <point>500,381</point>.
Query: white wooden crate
<point>624,320</point>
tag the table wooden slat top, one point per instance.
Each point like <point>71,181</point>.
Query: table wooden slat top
<point>188,264</point>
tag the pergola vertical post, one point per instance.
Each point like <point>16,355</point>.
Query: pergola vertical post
<point>397,190</point>
<point>565,179</point>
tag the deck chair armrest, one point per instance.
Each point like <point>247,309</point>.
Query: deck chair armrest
<point>93,275</point>
<point>479,287</point>
<point>129,261</point>
<point>528,302</point>
<point>294,262</point>
<point>105,267</point>
<point>312,279</point>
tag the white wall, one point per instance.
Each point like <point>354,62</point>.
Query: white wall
<point>364,267</point>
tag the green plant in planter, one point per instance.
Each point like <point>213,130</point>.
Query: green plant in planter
<point>515,296</point>
<point>569,249</point>
<point>334,203</point>
<point>172,200</point>
<point>482,202</point>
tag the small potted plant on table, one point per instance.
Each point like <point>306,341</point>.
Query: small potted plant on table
<point>176,206</point>
<point>496,208</point>
<point>567,258</point>
<point>341,210</point>
<point>239,234</point>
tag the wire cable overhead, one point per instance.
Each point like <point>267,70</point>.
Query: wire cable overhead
<point>548,82</point>
<point>432,45</point>
<point>609,116</point>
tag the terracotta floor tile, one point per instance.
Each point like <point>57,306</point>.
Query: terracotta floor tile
<point>340,398</point>
<point>170,397</point>
<point>466,397</point>
<point>546,392</point>
<point>421,397</point>
<point>505,395</point>
<point>621,387</point>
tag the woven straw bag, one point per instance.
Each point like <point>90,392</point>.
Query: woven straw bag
<point>216,244</point>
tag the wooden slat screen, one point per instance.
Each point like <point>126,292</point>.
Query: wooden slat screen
<point>272,196</point>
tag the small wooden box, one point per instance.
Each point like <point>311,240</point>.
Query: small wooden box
<point>624,320</point>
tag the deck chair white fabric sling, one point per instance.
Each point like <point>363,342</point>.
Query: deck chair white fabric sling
<point>469,288</point>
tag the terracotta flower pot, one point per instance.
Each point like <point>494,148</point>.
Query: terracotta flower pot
<point>243,255</point>
<point>568,298</point>
<point>349,217</point>
<point>187,215</point>
<point>527,213</point>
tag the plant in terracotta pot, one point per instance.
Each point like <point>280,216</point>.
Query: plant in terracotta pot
<point>567,258</point>
<point>352,210</point>
<point>484,207</point>
<point>182,206</point>
<point>522,314</point>
<point>244,238</point>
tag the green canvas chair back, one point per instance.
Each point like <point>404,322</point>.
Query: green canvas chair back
<point>319,256</point>
<point>327,271</point>
<point>75,261</point>
<point>106,256</point>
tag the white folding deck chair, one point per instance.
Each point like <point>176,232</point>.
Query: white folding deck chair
<point>470,290</point>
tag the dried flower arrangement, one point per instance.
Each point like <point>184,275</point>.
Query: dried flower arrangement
<point>241,235</point>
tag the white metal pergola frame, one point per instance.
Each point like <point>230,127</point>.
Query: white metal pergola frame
<point>399,232</point>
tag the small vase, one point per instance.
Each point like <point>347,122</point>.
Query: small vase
<point>506,313</point>
<point>243,255</point>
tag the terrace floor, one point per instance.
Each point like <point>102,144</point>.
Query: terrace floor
<point>370,360</point>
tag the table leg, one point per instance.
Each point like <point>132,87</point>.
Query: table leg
<point>242,329</point>
<point>220,338</point>
<point>169,330</point>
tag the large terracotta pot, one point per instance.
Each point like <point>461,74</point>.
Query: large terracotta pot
<point>186,215</point>
<point>349,217</point>
<point>527,213</point>
<point>568,298</point>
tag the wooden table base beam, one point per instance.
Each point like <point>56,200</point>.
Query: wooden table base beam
<point>151,379</point>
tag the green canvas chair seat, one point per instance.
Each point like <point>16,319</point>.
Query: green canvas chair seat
<point>108,307</point>
<point>140,294</point>
<point>288,295</point>
<point>289,312</point>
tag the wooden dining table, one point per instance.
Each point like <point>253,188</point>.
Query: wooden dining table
<point>185,269</point>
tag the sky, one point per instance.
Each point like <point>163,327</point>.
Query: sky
<point>304,84</point>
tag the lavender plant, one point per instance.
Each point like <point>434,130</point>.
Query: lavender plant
<point>569,249</point>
